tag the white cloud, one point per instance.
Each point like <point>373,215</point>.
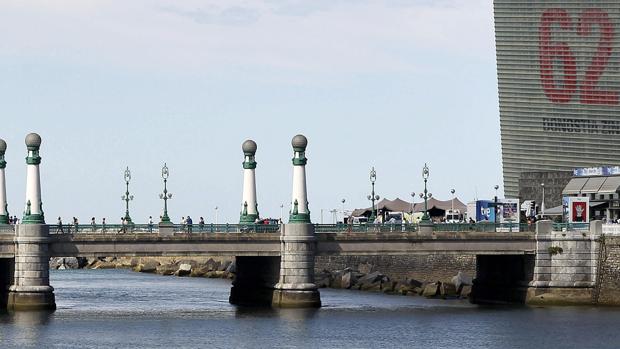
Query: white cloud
<point>339,37</point>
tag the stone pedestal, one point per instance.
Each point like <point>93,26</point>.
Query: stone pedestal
<point>166,229</point>
<point>296,287</point>
<point>31,288</point>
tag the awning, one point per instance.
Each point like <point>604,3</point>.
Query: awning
<point>593,185</point>
<point>574,186</point>
<point>611,185</point>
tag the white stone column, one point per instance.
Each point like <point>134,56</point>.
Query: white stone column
<point>300,213</point>
<point>33,211</point>
<point>249,204</point>
<point>296,287</point>
<point>31,288</point>
<point>4,211</point>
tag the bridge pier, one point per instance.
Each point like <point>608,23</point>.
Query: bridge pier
<point>31,288</point>
<point>296,288</point>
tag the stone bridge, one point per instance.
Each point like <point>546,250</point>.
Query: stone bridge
<point>275,265</point>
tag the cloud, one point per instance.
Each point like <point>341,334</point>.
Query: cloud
<point>328,38</point>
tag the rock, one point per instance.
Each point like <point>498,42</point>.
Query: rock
<point>103,265</point>
<point>465,291</point>
<point>414,283</point>
<point>447,289</point>
<point>460,280</point>
<point>199,271</point>
<point>224,265</point>
<point>365,268</point>
<point>56,262</point>
<point>323,278</point>
<point>371,278</point>
<point>71,263</point>
<point>109,259</point>
<point>166,269</point>
<point>431,290</point>
<point>232,268</point>
<point>347,280</point>
<point>212,265</point>
<point>147,267</point>
<point>184,269</point>
<point>82,262</point>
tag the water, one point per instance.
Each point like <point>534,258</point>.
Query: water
<point>122,309</point>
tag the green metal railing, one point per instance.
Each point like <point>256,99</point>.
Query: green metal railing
<point>365,228</point>
<point>154,228</point>
<point>318,228</point>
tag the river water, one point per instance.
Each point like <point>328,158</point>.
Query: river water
<point>123,309</point>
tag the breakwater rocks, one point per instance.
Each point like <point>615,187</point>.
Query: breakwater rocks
<point>178,266</point>
<point>459,286</point>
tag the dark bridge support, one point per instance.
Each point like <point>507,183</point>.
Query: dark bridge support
<point>31,288</point>
<point>296,288</point>
<point>502,278</point>
<point>254,281</point>
<point>7,269</point>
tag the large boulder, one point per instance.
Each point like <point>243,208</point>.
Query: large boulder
<point>224,265</point>
<point>147,267</point>
<point>347,280</point>
<point>71,263</point>
<point>212,265</point>
<point>166,269</point>
<point>431,290</point>
<point>232,268</point>
<point>199,271</point>
<point>461,279</point>
<point>323,278</point>
<point>465,291</point>
<point>447,290</point>
<point>56,262</point>
<point>184,269</point>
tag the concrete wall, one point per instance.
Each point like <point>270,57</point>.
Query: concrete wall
<point>422,267</point>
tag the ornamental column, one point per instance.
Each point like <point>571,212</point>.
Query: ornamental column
<point>296,287</point>
<point>31,289</point>
<point>4,207</point>
<point>249,208</point>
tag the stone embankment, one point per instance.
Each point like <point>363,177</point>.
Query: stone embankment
<point>180,266</point>
<point>459,286</point>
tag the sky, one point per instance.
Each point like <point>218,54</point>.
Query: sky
<point>392,84</point>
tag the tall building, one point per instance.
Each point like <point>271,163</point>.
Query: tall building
<point>558,66</point>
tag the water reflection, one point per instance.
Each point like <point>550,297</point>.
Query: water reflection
<point>29,324</point>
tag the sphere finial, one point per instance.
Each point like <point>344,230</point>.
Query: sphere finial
<point>299,142</point>
<point>33,141</point>
<point>249,147</point>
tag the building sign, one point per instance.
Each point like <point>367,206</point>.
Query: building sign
<point>509,211</point>
<point>578,209</point>
<point>596,171</point>
<point>485,211</point>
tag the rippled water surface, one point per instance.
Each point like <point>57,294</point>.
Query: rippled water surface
<point>122,309</point>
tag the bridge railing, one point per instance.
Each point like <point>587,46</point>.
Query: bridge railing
<point>483,227</point>
<point>154,228</point>
<point>365,228</point>
<point>7,229</point>
<point>570,226</point>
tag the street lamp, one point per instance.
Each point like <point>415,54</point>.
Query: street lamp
<point>452,191</point>
<point>495,204</point>
<point>542,204</point>
<point>165,195</point>
<point>216,208</point>
<point>412,205</point>
<point>426,219</point>
<point>372,197</point>
<point>343,201</point>
<point>127,197</point>
<point>281,211</point>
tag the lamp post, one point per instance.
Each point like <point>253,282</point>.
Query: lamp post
<point>216,208</point>
<point>495,204</point>
<point>127,197</point>
<point>452,191</point>
<point>412,205</point>
<point>281,211</point>
<point>165,195</point>
<point>542,204</point>
<point>343,201</point>
<point>372,197</point>
<point>426,219</point>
